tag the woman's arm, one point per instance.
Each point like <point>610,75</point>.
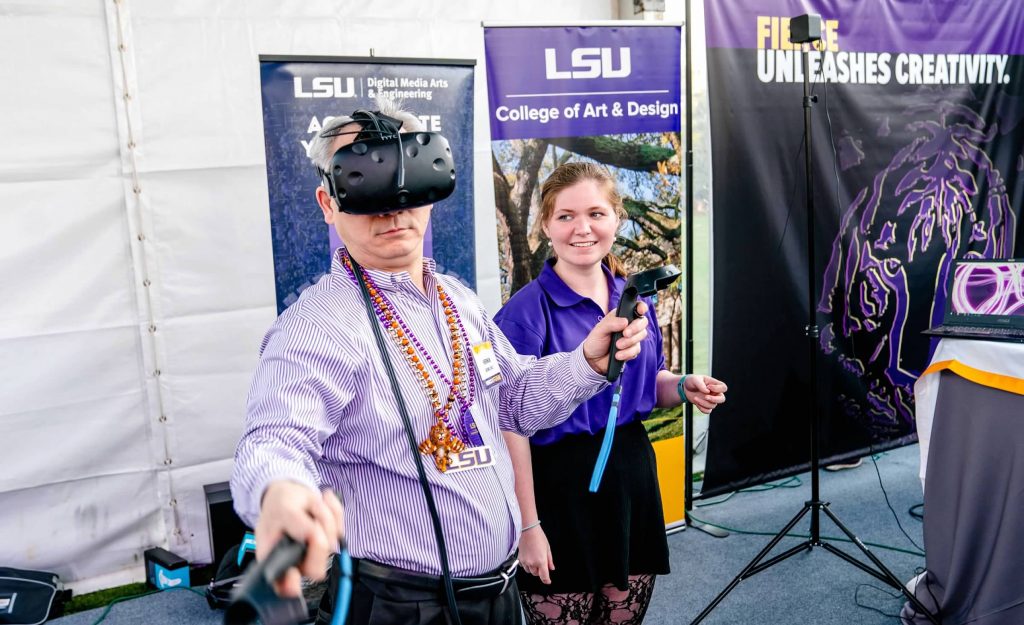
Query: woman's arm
<point>534,550</point>
<point>666,385</point>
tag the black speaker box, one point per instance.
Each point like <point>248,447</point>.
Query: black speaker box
<point>226,529</point>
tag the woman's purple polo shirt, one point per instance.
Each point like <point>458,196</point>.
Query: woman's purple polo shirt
<point>546,317</point>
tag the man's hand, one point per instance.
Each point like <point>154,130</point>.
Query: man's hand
<point>704,392</point>
<point>309,517</point>
<point>598,343</point>
<point>535,554</point>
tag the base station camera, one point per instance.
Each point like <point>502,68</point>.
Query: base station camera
<point>805,28</point>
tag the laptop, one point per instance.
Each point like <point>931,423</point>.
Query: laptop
<point>985,301</point>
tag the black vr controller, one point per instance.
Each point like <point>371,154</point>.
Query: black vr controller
<point>386,170</point>
<point>254,599</point>
<point>638,285</point>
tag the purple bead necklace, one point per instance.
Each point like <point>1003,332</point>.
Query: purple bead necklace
<point>461,386</point>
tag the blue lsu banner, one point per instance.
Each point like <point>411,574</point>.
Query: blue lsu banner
<point>299,95</point>
<point>609,94</point>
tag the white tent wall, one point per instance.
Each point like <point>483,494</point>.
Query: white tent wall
<point>135,259</point>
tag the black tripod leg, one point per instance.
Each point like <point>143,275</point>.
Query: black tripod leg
<point>885,574</point>
<point>857,563</point>
<point>746,572</point>
<point>792,551</point>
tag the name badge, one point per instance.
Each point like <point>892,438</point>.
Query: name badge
<point>471,458</point>
<point>486,363</point>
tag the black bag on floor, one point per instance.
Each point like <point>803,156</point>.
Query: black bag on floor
<point>229,572</point>
<point>30,597</point>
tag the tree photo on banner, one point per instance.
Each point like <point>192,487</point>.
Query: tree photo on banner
<point>299,95</point>
<point>916,161</point>
<point>596,94</point>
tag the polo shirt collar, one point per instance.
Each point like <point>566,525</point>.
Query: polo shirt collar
<point>562,295</point>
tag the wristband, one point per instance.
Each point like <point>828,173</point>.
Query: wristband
<point>681,390</point>
<point>531,525</point>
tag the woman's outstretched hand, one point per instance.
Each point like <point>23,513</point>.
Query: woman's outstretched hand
<point>704,392</point>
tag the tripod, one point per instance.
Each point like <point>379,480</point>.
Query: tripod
<point>815,506</point>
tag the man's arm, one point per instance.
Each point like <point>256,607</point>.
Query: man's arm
<point>295,389</point>
<point>539,393</point>
<point>275,484</point>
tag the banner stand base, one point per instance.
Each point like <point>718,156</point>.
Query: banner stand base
<point>711,530</point>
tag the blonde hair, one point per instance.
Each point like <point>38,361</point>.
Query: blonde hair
<point>569,174</point>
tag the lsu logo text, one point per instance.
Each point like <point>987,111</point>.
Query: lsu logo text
<point>587,63</point>
<point>326,87</point>
<point>472,458</point>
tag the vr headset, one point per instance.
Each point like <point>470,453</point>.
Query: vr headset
<point>385,170</point>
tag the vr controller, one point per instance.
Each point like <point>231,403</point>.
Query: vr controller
<point>642,284</point>
<point>254,599</point>
<point>637,285</point>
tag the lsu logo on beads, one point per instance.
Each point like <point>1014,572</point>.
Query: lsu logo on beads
<point>471,458</point>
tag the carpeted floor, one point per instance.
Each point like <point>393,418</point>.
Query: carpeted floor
<point>813,587</point>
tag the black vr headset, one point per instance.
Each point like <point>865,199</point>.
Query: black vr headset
<point>385,170</point>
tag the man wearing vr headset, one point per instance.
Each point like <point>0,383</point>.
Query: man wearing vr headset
<point>324,410</point>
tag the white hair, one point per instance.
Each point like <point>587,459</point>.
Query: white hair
<point>320,151</point>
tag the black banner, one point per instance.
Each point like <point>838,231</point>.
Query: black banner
<point>916,141</point>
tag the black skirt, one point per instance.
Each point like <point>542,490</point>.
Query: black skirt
<point>604,537</point>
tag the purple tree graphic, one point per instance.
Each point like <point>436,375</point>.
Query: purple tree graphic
<point>939,198</point>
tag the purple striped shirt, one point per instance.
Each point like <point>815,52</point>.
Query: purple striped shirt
<point>321,412</point>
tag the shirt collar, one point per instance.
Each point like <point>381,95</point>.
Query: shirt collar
<point>560,292</point>
<point>384,279</point>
